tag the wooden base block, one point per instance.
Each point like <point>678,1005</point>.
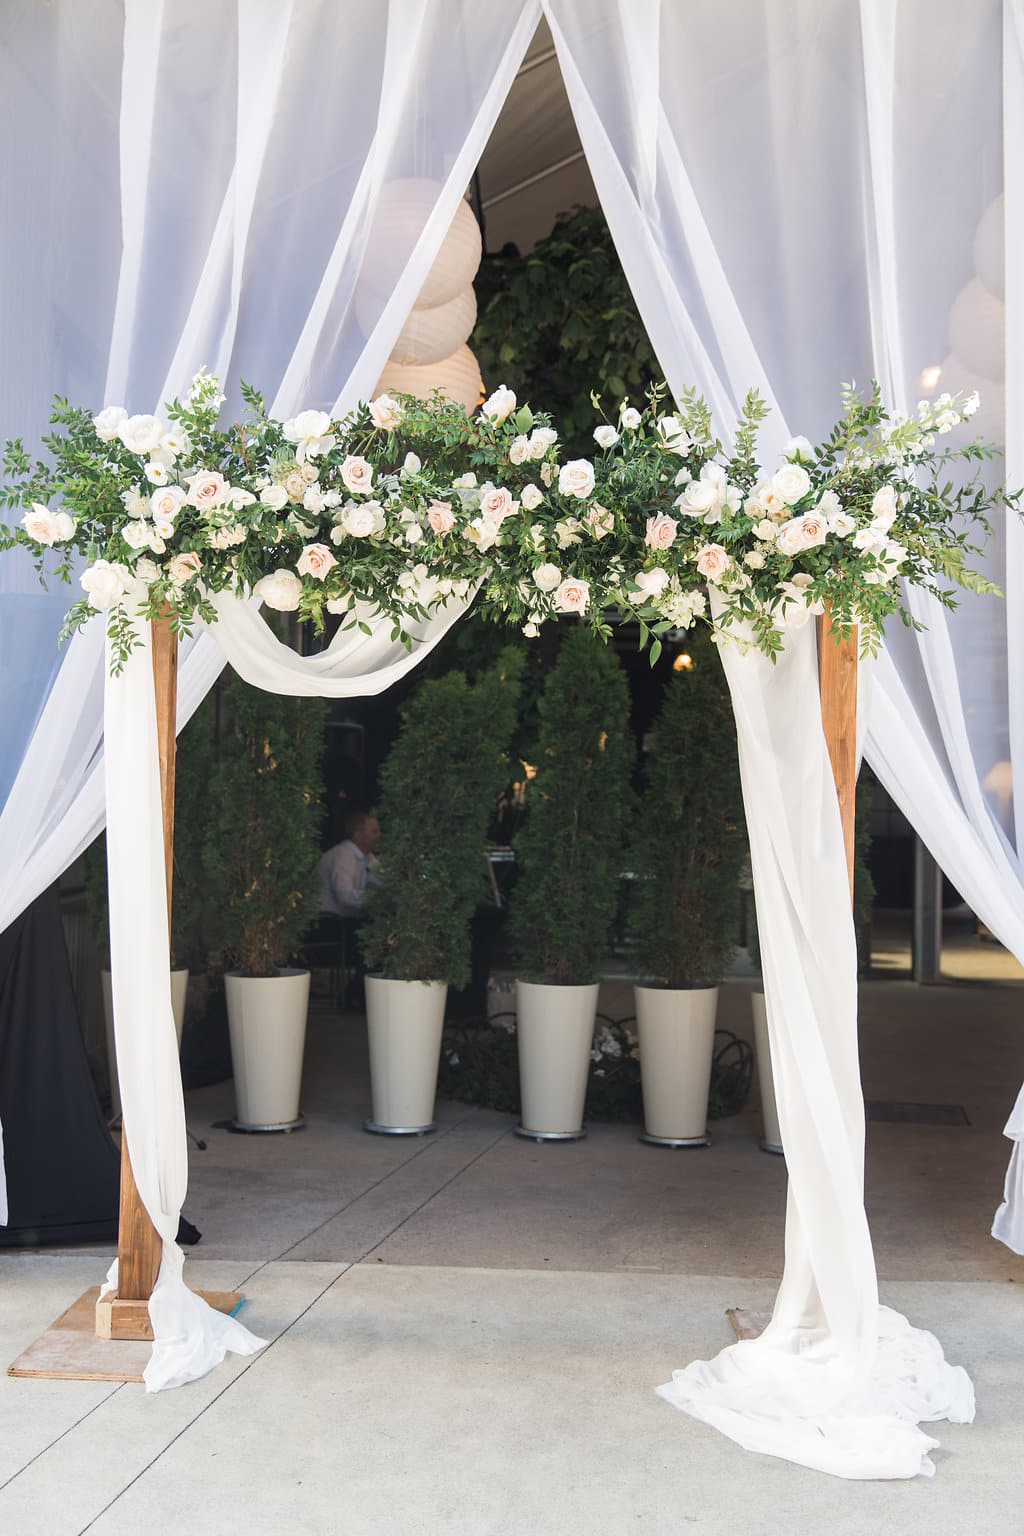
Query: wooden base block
<point>70,1349</point>
<point>747,1324</point>
<point>123,1319</point>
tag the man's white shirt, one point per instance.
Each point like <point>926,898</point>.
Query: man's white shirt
<point>345,871</point>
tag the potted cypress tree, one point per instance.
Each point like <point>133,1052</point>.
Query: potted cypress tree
<point>263,847</point>
<point>569,858</point>
<point>438,790</point>
<point>688,850</point>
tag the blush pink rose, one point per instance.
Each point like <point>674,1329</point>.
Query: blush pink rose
<point>315,560</point>
<point>802,533</point>
<point>357,475</point>
<point>181,568</point>
<point>206,489</point>
<point>573,596</point>
<point>441,517</point>
<point>661,531</point>
<point>712,561</point>
<point>167,501</point>
<point>496,503</point>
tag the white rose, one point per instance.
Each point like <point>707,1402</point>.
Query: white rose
<point>147,570</point>
<point>755,560</point>
<point>412,465</point>
<point>531,630</point>
<point>65,526</point>
<point>605,437</point>
<point>661,531</point>
<point>567,532</point>
<point>168,502</point>
<point>713,561</point>
<point>791,483</point>
<point>496,502</point>
<point>281,590</point>
<point>519,451</point>
<point>549,474</point>
<point>547,577</point>
<point>674,435</point>
<point>599,520</point>
<point>313,499</point>
<point>311,431</point>
<point>358,520</point>
<point>698,498</point>
<point>766,530</point>
<point>141,434</point>
<point>275,497</point>
<point>337,605</point>
<point>541,439</point>
<point>413,533</point>
<point>386,413</point>
<point>573,596</point>
<point>799,448</point>
<point>105,584</point>
<point>465,482</point>
<point>651,583</point>
<point>43,526</point>
<point>531,497</point>
<point>829,504</point>
<point>576,478</point>
<point>482,532</point>
<point>841,524</point>
<point>869,539</point>
<point>136,535</point>
<point>630,417</point>
<point>499,405</point>
<point>883,507</point>
<point>107,425</point>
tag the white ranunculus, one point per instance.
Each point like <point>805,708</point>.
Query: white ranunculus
<point>630,417</point>
<point>141,434</point>
<point>791,483</point>
<point>105,584</point>
<point>281,590</point>
<point>547,576</point>
<point>531,497</point>
<point>499,405</point>
<point>386,413</point>
<point>799,448</point>
<point>107,425</point>
<point>576,478</point>
<point>652,583</point>
<point>605,436</point>
<point>275,497</point>
<point>311,432</point>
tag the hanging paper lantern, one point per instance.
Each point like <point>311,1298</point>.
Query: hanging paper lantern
<point>402,213</point>
<point>989,421</point>
<point>430,335</point>
<point>989,250</point>
<point>458,377</point>
<point>976,327</point>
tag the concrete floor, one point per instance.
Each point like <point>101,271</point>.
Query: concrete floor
<point>467,1329</point>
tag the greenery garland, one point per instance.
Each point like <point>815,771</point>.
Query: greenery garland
<point>405,505</point>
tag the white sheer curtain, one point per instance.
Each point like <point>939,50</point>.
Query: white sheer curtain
<point>249,154</point>
<point>795,203</point>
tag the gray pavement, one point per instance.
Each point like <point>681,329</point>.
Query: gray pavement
<point>467,1329</point>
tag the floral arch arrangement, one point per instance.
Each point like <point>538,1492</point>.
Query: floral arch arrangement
<point>405,504</point>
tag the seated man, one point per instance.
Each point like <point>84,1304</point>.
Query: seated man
<point>346,870</point>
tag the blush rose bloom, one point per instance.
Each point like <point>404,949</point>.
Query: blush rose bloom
<point>499,405</point>
<point>141,434</point>
<point>357,475</point>
<point>167,502</point>
<point>651,583</point>
<point>496,503</point>
<point>47,527</point>
<point>105,584</point>
<point>573,596</point>
<point>181,568</point>
<point>441,517</point>
<point>107,425</point>
<point>713,561</point>
<point>280,590</point>
<point>315,560</point>
<point>547,577</point>
<point>386,413</point>
<point>802,533</point>
<point>661,531</point>
<point>207,489</point>
<point>791,483</point>
<point>576,479</point>
<point>599,520</point>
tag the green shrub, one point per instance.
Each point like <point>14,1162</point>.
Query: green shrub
<point>263,834</point>
<point>690,840</point>
<point>438,791</point>
<point>569,852</point>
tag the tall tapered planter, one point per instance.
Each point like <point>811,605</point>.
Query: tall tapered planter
<point>555,1032</point>
<point>772,1139</point>
<point>267,1024</point>
<point>676,1030</point>
<point>405,1022</point>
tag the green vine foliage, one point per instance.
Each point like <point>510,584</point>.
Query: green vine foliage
<point>438,792</point>
<point>569,852</point>
<point>264,799</point>
<point>690,838</point>
<point>553,322</point>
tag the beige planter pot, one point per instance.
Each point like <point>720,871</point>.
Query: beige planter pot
<point>267,1024</point>
<point>676,1030</point>
<point>405,1022</point>
<point>772,1141</point>
<point>179,992</point>
<point>555,1031</point>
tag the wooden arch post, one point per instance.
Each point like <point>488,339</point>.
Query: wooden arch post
<point>837,681</point>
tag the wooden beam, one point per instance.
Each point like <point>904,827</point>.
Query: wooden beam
<point>138,1242</point>
<point>837,679</point>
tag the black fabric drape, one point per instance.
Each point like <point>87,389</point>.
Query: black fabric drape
<point>62,1164</point>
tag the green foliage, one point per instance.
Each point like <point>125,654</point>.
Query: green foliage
<point>263,844</point>
<point>438,791</point>
<point>690,841</point>
<point>569,852</point>
<point>555,323</point>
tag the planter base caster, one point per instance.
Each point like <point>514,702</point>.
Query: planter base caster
<point>772,1146</point>
<point>398,1130</point>
<point>551,1135</point>
<point>675,1141</point>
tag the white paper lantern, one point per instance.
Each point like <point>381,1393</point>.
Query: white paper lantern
<point>976,326</point>
<point>402,213</point>
<point>430,335</point>
<point>989,250</point>
<point>458,377</point>
<point>989,420</point>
